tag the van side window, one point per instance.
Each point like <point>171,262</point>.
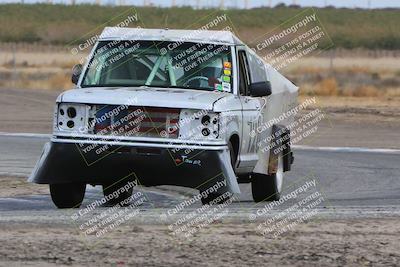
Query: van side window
<point>244,78</point>
<point>257,68</point>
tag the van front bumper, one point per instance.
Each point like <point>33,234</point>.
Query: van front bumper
<point>103,162</point>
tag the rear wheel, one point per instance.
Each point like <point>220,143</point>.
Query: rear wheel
<point>116,193</point>
<point>219,197</point>
<point>67,195</point>
<point>268,187</point>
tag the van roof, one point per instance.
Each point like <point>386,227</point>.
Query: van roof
<point>196,36</point>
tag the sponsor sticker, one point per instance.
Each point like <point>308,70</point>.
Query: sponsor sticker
<point>226,87</point>
<point>227,65</point>
<point>226,79</point>
<point>218,87</point>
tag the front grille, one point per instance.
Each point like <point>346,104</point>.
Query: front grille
<point>136,121</point>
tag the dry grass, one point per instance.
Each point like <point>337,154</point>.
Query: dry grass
<point>60,81</point>
<point>330,87</point>
<point>367,91</point>
<point>350,77</point>
<point>50,81</point>
<point>363,91</point>
<point>393,92</point>
<point>40,59</point>
<point>303,69</point>
<point>327,86</point>
<point>66,64</point>
<point>368,64</point>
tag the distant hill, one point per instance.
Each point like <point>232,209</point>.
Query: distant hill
<point>60,24</point>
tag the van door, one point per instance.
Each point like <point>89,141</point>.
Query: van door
<point>250,114</point>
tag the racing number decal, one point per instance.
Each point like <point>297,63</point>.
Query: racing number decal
<point>254,137</point>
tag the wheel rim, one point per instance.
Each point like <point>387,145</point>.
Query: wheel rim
<point>279,175</point>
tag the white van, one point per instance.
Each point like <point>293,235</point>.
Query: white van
<point>169,107</point>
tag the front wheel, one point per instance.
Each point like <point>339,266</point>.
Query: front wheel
<point>267,187</point>
<point>69,195</point>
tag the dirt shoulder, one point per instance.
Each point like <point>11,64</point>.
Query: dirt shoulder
<point>349,121</point>
<point>356,122</point>
<point>18,186</point>
<point>366,242</point>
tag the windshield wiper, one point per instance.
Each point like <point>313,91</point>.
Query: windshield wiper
<point>144,86</point>
<point>110,85</point>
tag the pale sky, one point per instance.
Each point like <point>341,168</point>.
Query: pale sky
<point>237,3</point>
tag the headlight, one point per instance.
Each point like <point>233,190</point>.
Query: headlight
<point>205,120</point>
<point>198,124</point>
<point>205,132</point>
<point>71,112</point>
<point>72,117</point>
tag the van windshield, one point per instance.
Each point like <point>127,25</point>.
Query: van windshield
<point>160,64</point>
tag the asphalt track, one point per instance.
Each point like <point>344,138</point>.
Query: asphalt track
<point>353,182</point>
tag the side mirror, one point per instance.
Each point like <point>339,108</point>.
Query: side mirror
<point>260,89</point>
<point>76,72</point>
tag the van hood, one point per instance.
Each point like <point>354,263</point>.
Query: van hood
<point>139,96</point>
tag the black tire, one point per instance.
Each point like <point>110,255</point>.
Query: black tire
<point>233,155</point>
<point>265,187</point>
<point>67,196</point>
<point>109,189</point>
<point>214,196</point>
